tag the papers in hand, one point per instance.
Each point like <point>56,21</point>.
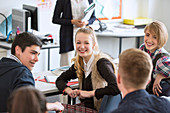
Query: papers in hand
<point>88,12</point>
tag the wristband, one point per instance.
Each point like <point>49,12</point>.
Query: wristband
<point>64,91</point>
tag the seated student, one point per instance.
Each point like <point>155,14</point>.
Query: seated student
<point>134,71</point>
<point>156,36</point>
<point>27,99</point>
<point>95,71</point>
<point>15,70</point>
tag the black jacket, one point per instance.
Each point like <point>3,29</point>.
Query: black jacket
<point>63,16</point>
<point>12,76</point>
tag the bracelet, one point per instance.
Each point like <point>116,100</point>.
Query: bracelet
<point>64,91</point>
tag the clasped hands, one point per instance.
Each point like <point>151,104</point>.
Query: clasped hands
<point>82,94</point>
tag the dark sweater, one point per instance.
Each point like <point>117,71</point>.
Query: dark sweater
<point>140,101</point>
<point>105,69</point>
<point>12,76</point>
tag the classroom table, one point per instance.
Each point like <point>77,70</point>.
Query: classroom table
<point>49,89</point>
<point>48,46</point>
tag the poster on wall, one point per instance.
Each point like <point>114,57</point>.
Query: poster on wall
<point>44,4</point>
<point>108,9</point>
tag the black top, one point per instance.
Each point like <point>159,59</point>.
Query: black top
<point>12,76</point>
<point>63,15</point>
<point>105,69</point>
<point>141,102</point>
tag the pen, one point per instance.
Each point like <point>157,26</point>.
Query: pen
<point>37,78</point>
<point>46,79</point>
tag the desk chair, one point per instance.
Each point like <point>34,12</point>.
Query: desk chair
<point>110,103</point>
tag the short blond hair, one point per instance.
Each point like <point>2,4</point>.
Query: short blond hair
<point>135,67</point>
<point>160,30</point>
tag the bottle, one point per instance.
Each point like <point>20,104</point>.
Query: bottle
<point>18,31</point>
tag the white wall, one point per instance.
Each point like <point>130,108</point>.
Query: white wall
<point>134,8</point>
<point>159,10</point>
<point>110,45</point>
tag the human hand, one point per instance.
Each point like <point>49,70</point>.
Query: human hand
<point>78,23</point>
<point>57,106</point>
<point>86,94</point>
<point>156,86</point>
<point>72,93</point>
<point>85,23</point>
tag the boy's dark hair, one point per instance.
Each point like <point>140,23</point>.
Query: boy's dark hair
<point>24,40</point>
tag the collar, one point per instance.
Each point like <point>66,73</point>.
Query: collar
<point>88,66</point>
<point>135,94</point>
<point>14,58</point>
<point>157,51</point>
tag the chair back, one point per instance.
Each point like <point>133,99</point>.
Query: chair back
<point>110,103</point>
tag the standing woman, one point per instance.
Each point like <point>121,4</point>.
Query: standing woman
<point>68,14</point>
<point>94,70</point>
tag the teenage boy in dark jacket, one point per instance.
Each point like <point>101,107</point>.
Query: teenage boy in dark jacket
<point>15,70</point>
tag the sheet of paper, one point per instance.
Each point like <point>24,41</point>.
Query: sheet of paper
<point>60,70</point>
<point>88,12</point>
<point>51,78</point>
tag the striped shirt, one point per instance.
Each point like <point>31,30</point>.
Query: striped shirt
<point>162,65</point>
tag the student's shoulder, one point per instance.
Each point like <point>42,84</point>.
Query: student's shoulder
<point>103,61</point>
<point>163,57</point>
<point>103,58</point>
<point>160,100</point>
<point>6,59</point>
<point>159,103</point>
<point>163,52</point>
<point>123,110</point>
<point>11,64</point>
<point>166,100</point>
<point>102,55</point>
<point>166,105</point>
